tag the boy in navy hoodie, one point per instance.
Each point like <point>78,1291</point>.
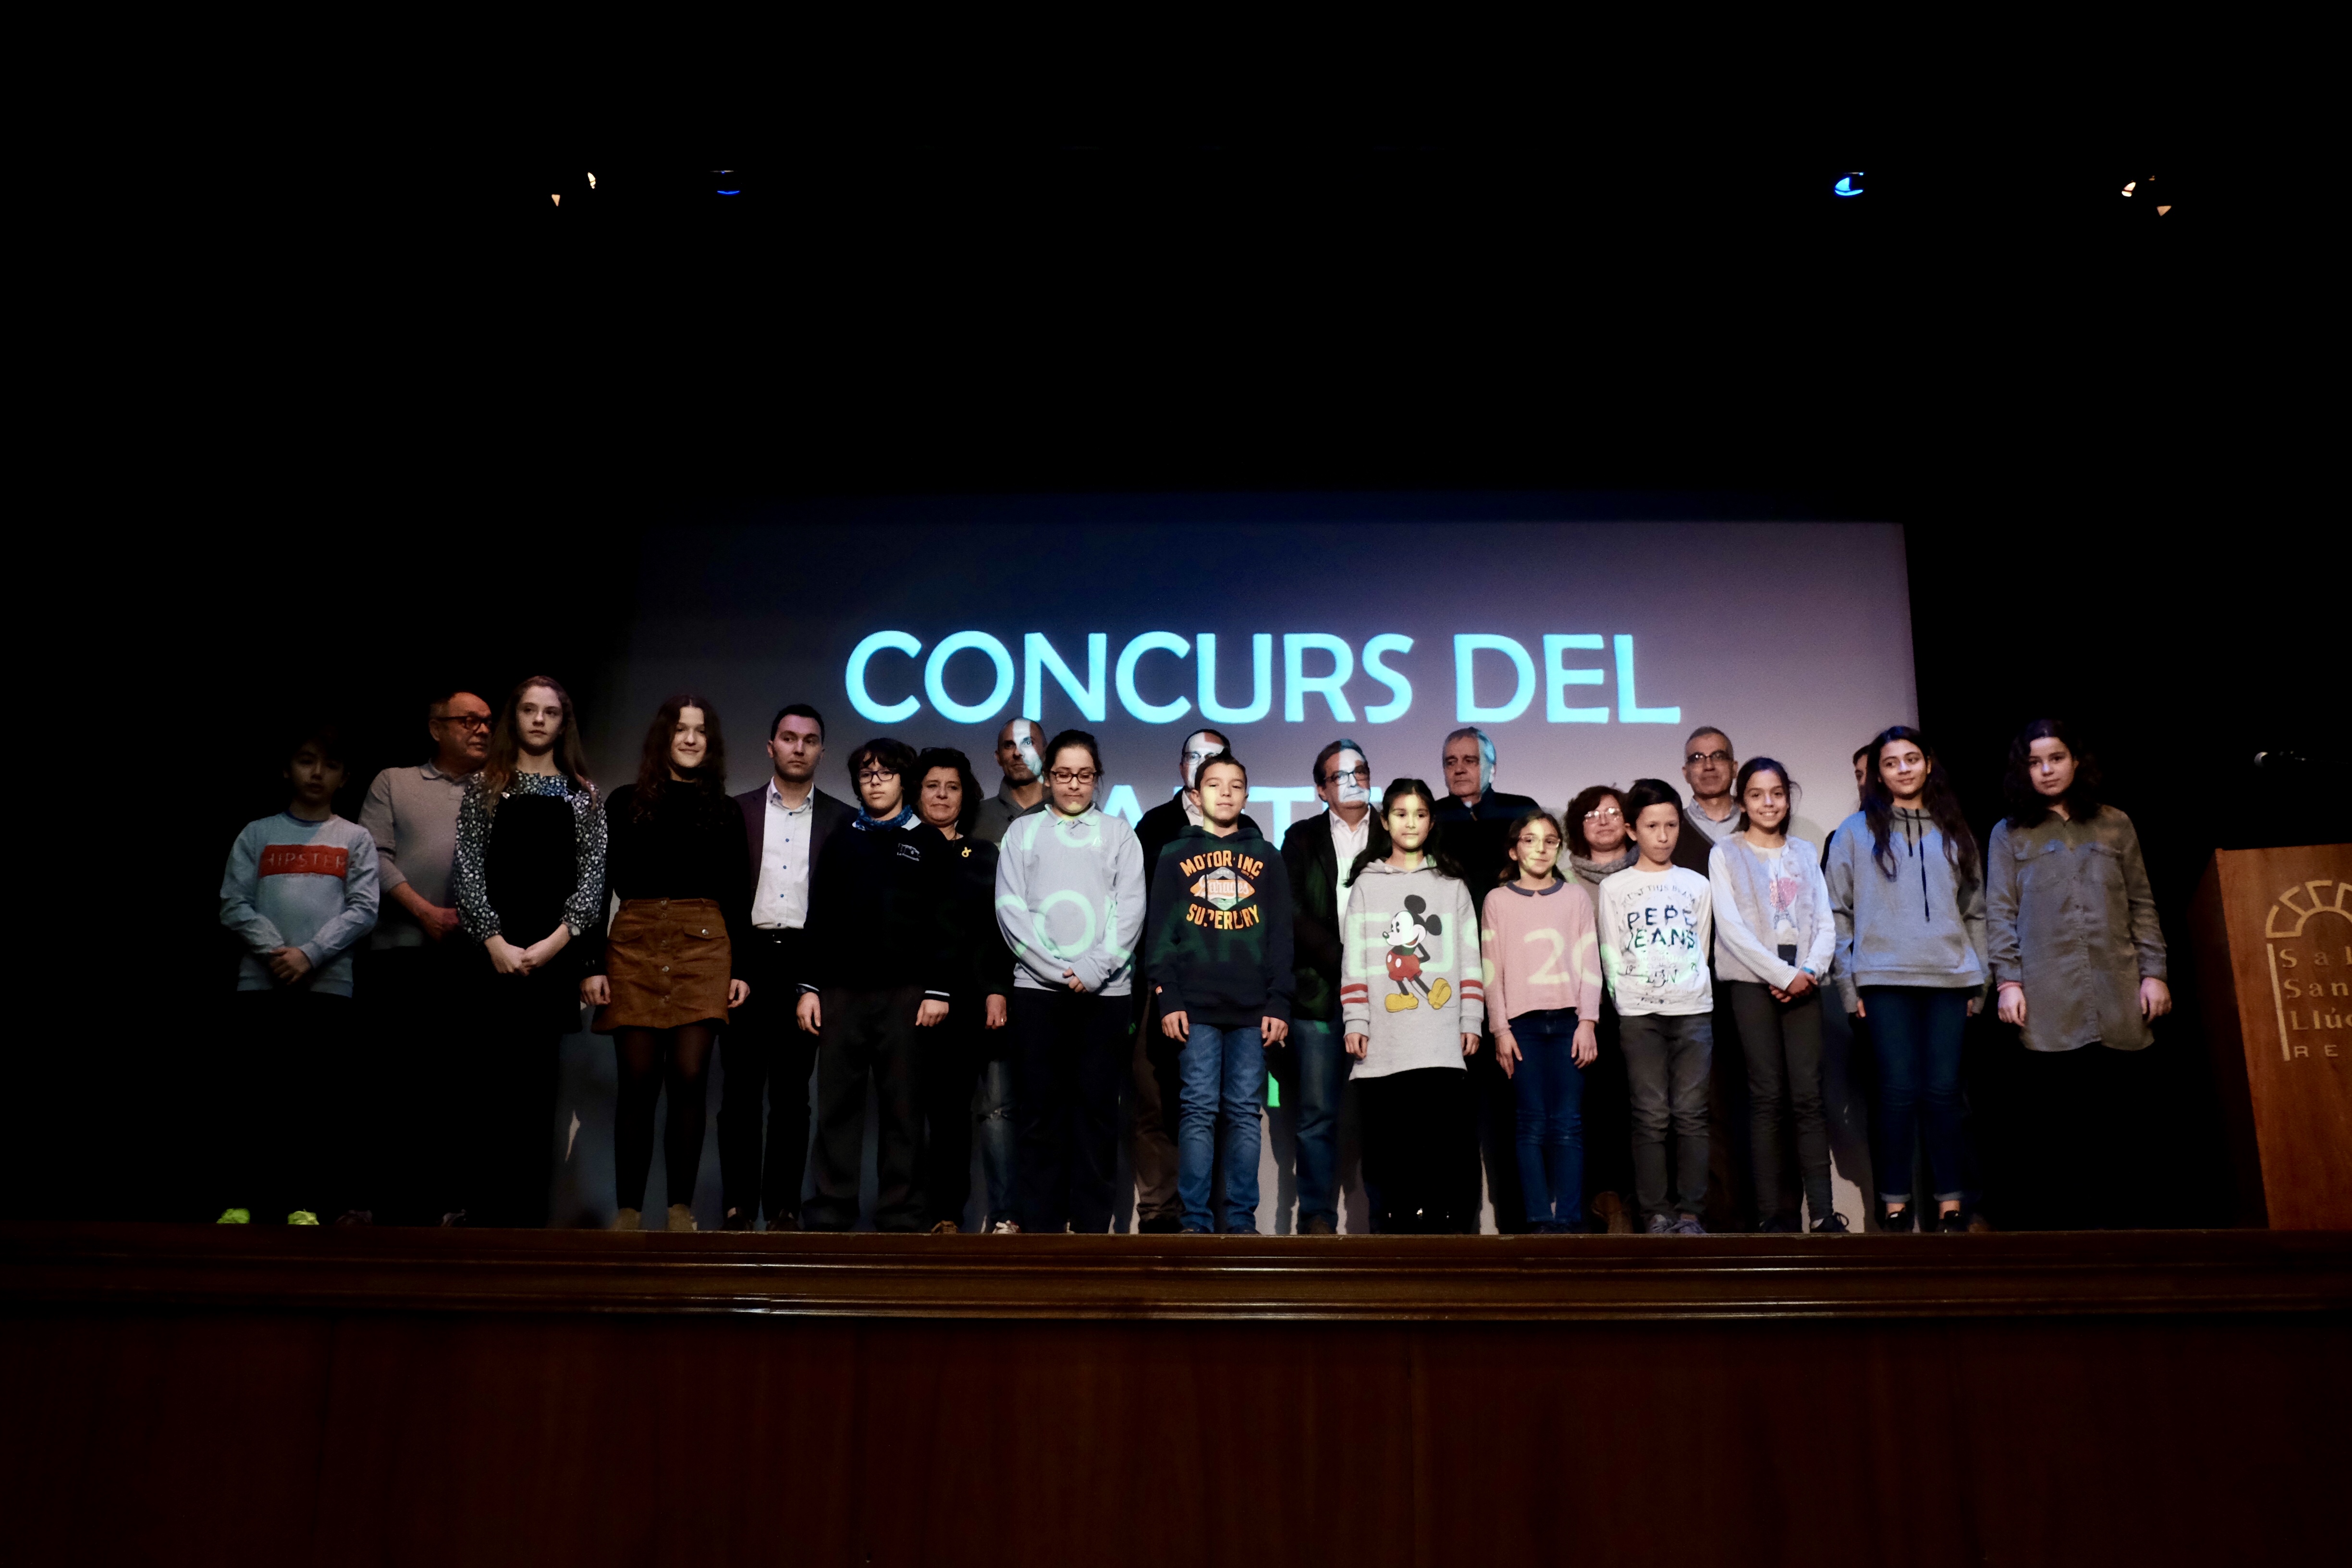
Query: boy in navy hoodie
<point>299,893</point>
<point>1220,964</point>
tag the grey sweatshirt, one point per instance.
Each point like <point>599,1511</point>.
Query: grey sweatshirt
<point>1409,975</point>
<point>1070,893</point>
<point>1757,913</point>
<point>307,885</point>
<point>1923,926</point>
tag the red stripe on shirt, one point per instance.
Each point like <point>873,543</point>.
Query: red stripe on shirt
<point>305,860</point>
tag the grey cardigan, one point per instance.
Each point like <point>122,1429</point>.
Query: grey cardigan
<point>1924,926</point>
<point>2069,916</point>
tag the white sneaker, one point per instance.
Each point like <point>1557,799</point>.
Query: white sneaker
<point>1005,1227</point>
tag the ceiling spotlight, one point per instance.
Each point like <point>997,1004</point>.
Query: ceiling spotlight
<point>553,197</point>
<point>591,179</point>
<point>1848,185</point>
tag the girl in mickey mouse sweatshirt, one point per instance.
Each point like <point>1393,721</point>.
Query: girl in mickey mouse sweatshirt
<point>1413,997</point>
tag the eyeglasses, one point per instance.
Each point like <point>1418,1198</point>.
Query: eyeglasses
<point>1073,775</point>
<point>868,776</point>
<point>464,721</point>
<point>1361,775</point>
<point>1606,814</point>
<point>1697,757</point>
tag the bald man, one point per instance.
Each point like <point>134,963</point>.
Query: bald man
<point>1019,755</point>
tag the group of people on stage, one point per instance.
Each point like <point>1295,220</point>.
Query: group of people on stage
<point>1551,993</point>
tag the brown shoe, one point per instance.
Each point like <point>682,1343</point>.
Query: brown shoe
<point>680,1218</point>
<point>1318,1225</point>
<point>627,1219</point>
<point>945,1227</point>
<point>1610,1209</point>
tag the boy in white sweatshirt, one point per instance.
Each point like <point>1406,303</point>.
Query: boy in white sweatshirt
<point>1656,928</point>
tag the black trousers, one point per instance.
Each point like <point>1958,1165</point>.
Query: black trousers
<point>866,1035</point>
<point>764,1109</point>
<point>1070,1047</point>
<point>411,1005</point>
<point>1781,1042</point>
<point>285,1088</point>
<point>1608,1113</point>
<point>509,1136</point>
<point>1420,1153</point>
<point>950,1057</point>
<point>1496,1102</point>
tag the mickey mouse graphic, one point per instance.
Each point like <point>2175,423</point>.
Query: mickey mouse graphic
<point>1406,928</point>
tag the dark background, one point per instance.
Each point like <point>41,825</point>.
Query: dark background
<point>411,444</point>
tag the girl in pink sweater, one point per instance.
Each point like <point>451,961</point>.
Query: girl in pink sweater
<point>1543,991</point>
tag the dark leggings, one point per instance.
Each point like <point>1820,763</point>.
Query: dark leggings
<point>650,1060</point>
<point>1782,1043</point>
<point>1421,1151</point>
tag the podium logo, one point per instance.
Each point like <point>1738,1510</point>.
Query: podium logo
<point>2311,970</point>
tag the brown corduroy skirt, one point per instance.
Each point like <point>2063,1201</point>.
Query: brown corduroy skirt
<point>667,962</point>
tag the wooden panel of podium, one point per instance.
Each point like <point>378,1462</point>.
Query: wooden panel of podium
<point>2274,935</point>
<point>198,1394</point>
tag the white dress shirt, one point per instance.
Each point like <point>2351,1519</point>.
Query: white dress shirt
<point>781,902</point>
<point>1347,842</point>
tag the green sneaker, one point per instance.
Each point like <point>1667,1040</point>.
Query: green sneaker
<point>234,1216</point>
<point>302,1217</point>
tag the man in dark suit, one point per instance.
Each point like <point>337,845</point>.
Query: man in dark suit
<point>1156,1086</point>
<point>1474,819</point>
<point>1318,853</point>
<point>764,1112</point>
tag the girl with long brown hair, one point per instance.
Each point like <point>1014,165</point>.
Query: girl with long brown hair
<point>530,878</point>
<point>664,979</point>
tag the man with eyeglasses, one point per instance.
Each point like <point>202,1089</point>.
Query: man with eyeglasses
<point>406,983</point>
<point>1710,817</point>
<point>766,1056</point>
<point>1476,819</point>
<point>1709,765</point>
<point>1157,1085</point>
<point>1318,853</point>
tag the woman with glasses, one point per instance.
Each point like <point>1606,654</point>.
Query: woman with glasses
<point>881,973</point>
<point>1070,895</point>
<point>1599,848</point>
<point>666,977</point>
<point>529,876</point>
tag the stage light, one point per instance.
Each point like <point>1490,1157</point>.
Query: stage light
<point>1848,185</point>
<point>555,198</point>
<point>591,179</point>
<point>726,174</point>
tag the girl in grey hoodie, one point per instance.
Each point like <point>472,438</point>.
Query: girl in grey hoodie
<point>1414,998</point>
<point>1908,893</point>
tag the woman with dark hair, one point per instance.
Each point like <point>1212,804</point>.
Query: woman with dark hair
<point>1908,897</point>
<point>667,974</point>
<point>1774,937</point>
<point>1600,845</point>
<point>972,1040</point>
<point>529,870</point>
<point>1411,932</point>
<point>2079,960</point>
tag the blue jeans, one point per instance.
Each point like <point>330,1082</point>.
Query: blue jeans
<point>1917,1030</point>
<point>1225,1079</point>
<point>1322,1075</point>
<point>997,1139</point>
<point>1550,1119</point>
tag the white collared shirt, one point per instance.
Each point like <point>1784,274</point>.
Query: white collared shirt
<point>1347,842</point>
<point>781,900</point>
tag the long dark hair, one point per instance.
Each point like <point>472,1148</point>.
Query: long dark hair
<point>654,765</point>
<point>1942,806</point>
<point>2028,805</point>
<point>1378,846</point>
<point>1511,867</point>
<point>1749,770</point>
<point>1589,799</point>
<point>946,757</point>
<point>571,759</point>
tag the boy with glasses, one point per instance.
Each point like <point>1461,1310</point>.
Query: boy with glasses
<point>880,965</point>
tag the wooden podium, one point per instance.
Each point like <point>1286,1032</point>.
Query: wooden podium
<point>2274,935</point>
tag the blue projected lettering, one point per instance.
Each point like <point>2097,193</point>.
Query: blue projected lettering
<point>1628,710</point>
<point>1038,655</point>
<point>1261,701</point>
<point>1041,663</point>
<point>859,699</point>
<point>1388,713</point>
<point>1296,683</point>
<point>936,689</point>
<point>1131,699</point>
<point>1557,680</point>
<point>1467,645</point>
